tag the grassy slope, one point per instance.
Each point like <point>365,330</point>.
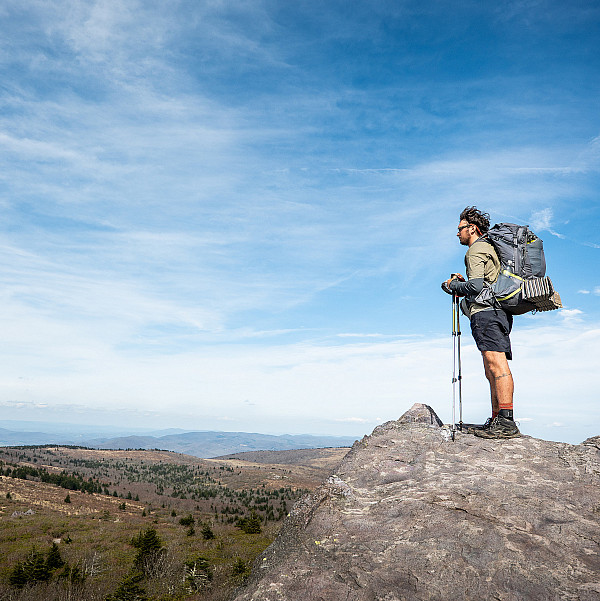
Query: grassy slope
<point>100,530</point>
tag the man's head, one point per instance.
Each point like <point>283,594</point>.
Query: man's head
<point>473,224</point>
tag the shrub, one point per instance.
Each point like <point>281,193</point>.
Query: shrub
<point>240,569</point>
<point>187,521</point>
<point>129,590</point>
<point>198,574</point>
<point>207,532</point>
<point>72,575</point>
<point>250,525</point>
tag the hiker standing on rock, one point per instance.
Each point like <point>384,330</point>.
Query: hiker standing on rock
<point>490,325</point>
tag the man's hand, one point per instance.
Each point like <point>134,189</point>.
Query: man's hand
<point>454,276</point>
<point>446,284</point>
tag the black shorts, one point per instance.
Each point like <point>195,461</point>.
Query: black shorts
<point>491,331</point>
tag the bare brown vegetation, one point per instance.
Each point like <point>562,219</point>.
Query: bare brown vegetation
<point>141,489</point>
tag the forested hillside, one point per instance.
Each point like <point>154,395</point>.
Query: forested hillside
<point>87,524</point>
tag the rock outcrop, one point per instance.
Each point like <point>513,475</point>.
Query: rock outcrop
<point>411,515</point>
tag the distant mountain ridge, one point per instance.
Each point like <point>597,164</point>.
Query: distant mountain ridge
<point>214,444</point>
<point>202,444</point>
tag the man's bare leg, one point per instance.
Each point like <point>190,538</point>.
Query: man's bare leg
<point>501,387</point>
<point>500,378</point>
<point>493,396</point>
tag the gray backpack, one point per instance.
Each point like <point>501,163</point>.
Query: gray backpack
<point>522,284</point>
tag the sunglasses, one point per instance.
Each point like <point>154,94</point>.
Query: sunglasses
<point>462,227</point>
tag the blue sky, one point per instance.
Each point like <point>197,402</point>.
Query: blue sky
<point>236,215</point>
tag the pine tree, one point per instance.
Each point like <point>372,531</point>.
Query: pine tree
<point>33,569</point>
<point>250,525</point>
<point>129,590</point>
<point>149,546</point>
<point>18,577</point>
<point>207,532</point>
<point>187,521</point>
<point>53,559</point>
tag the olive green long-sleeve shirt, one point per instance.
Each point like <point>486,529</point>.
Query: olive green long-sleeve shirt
<point>483,265</point>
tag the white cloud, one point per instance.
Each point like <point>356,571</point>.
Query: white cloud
<point>570,315</point>
<point>177,186</point>
<point>542,221</point>
<point>295,387</point>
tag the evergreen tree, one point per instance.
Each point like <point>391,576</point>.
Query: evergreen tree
<point>36,568</point>
<point>18,577</point>
<point>187,521</point>
<point>53,559</point>
<point>250,525</point>
<point>198,573</point>
<point>149,547</point>
<point>73,575</point>
<point>129,590</point>
<point>207,532</point>
<point>33,569</point>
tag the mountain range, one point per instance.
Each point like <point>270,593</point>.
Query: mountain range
<point>203,444</point>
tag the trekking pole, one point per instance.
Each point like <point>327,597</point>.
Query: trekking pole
<point>458,334</point>
<point>456,361</point>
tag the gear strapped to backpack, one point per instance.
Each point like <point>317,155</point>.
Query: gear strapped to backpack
<point>522,284</point>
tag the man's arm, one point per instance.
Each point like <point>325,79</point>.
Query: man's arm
<point>472,287</point>
<point>476,261</point>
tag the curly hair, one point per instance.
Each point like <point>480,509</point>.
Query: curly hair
<point>474,216</point>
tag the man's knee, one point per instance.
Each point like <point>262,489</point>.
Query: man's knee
<point>495,364</point>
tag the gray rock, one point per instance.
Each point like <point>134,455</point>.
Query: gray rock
<point>411,515</point>
<point>421,414</point>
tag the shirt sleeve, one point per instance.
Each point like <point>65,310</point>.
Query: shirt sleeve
<point>470,288</point>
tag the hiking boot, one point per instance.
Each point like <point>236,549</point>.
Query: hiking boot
<point>471,428</point>
<point>500,427</point>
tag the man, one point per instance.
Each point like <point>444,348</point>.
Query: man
<point>490,325</point>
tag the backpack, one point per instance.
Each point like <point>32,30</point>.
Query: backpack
<point>522,284</point>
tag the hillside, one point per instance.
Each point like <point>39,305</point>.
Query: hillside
<point>411,515</point>
<point>213,444</point>
<point>325,458</point>
<point>114,495</point>
<point>202,444</point>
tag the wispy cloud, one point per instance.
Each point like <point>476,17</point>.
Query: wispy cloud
<point>542,221</point>
<point>220,201</point>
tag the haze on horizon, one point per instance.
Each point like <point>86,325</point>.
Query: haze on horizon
<point>236,215</point>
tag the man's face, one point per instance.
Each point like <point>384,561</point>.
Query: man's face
<point>464,232</point>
